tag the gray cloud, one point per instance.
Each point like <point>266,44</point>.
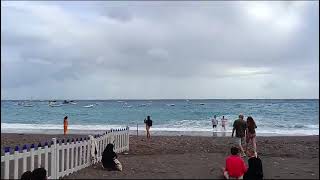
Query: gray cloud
<point>176,49</point>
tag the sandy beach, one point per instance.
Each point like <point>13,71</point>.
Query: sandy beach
<point>294,157</point>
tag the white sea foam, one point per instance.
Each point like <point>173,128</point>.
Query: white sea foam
<point>10,127</point>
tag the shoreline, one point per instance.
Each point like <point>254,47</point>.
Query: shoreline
<point>143,132</point>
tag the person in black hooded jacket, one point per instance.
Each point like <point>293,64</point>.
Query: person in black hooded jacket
<point>108,157</point>
<point>255,171</point>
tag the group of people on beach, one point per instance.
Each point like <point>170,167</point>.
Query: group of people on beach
<point>245,135</point>
<point>215,122</point>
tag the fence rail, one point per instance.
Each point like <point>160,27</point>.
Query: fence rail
<point>61,158</point>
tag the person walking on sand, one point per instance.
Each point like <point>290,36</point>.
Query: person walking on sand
<point>148,123</point>
<point>223,122</point>
<point>251,134</point>
<point>65,125</point>
<point>214,121</point>
<point>240,126</point>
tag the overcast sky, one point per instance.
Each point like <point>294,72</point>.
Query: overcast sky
<point>138,50</point>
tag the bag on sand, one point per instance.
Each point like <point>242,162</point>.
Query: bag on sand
<point>118,164</point>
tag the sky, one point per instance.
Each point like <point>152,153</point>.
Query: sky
<point>159,50</point>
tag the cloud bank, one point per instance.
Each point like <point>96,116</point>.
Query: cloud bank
<point>137,50</point>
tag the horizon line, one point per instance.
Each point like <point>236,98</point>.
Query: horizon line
<point>161,99</point>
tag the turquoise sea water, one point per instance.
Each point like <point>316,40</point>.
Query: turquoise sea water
<point>272,116</point>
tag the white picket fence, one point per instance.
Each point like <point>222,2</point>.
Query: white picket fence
<point>61,158</point>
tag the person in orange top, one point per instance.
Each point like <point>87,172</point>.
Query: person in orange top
<point>65,125</point>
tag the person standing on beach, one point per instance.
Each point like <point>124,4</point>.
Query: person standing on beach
<point>65,125</point>
<point>214,121</point>
<point>223,122</point>
<point>240,126</point>
<point>251,134</point>
<point>148,123</point>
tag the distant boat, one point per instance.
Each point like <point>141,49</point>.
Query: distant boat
<point>170,104</point>
<point>73,103</point>
<point>88,106</point>
<point>119,101</point>
<point>143,104</point>
<point>53,104</point>
<point>127,106</point>
<point>202,104</point>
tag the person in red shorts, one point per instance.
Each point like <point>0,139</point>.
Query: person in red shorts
<point>235,166</point>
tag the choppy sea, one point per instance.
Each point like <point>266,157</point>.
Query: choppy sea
<point>283,117</point>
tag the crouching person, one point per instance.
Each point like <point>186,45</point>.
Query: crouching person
<point>235,166</point>
<point>109,159</point>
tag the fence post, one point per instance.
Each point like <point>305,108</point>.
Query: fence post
<point>54,159</point>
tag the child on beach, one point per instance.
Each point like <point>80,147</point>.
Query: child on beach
<point>251,134</point>
<point>148,123</point>
<point>65,125</point>
<point>109,159</point>
<point>235,167</point>
<point>255,171</point>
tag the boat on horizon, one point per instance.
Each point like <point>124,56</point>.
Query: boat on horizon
<point>53,104</point>
<point>88,106</point>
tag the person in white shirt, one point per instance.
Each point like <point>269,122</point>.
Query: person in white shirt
<point>214,121</point>
<point>223,122</point>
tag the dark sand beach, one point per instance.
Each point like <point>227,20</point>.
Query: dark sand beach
<point>294,157</point>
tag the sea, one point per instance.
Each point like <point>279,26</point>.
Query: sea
<point>272,116</point>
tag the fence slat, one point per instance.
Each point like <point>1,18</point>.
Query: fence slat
<point>67,164</point>
<point>24,161</point>
<point>72,157</point>
<point>39,156</point>
<point>6,165</point>
<point>32,158</point>
<point>62,158</point>
<point>46,156</point>
<point>76,159</point>
<point>54,159</point>
<point>16,158</point>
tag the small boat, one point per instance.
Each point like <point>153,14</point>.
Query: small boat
<point>52,104</point>
<point>73,103</point>
<point>119,101</point>
<point>143,104</point>
<point>88,106</point>
<point>127,106</point>
<point>170,104</point>
<point>202,104</point>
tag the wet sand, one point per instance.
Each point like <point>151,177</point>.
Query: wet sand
<point>293,157</point>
